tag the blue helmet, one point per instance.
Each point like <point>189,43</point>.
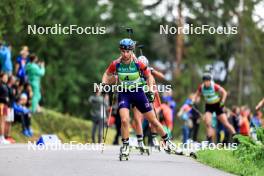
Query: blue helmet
<point>126,44</point>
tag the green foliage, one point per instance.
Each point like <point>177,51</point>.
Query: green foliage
<point>250,151</point>
<point>225,160</point>
<point>247,160</point>
<point>260,135</point>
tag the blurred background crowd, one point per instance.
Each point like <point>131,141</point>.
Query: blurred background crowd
<point>20,90</point>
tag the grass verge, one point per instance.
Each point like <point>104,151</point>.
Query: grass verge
<point>226,160</point>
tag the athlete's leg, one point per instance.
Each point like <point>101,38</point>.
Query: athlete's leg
<point>209,128</point>
<point>138,121</point>
<point>152,128</point>
<point>124,115</point>
<point>124,103</point>
<point>150,116</point>
<point>223,119</point>
<point>138,127</point>
<point>143,105</point>
<point>168,145</point>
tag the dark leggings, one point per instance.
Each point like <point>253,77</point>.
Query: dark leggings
<point>24,119</point>
<point>194,131</point>
<point>97,124</point>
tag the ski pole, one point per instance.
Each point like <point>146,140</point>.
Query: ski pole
<point>195,109</point>
<point>129,31</point>
<point>156,115</point>
<point>103,120</point>
<point>140,49</point>
<point>109,117</point>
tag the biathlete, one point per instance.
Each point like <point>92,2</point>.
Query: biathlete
<point>138,116</point>
<point>215,97</point>
<point>129,71</point>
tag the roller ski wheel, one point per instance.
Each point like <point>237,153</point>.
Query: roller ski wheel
<point>123,157</point>
<point>193,155</point>
<point>157,148</point>
<point>144,150</point>
<point>124,153</point>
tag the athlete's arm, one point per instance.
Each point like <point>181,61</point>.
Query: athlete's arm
<point>108,79</point>
<point>150,82</point>
<point>197,94</point>
<point>223,93</point>
<point>157,74</point>
<point>146,72</point>
<point>109,76</point>
<point>260,104</point>
<point>179,114</point>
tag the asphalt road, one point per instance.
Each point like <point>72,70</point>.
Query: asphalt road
<point>20,160</point>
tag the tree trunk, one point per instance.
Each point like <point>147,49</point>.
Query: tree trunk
<point>179,41</point>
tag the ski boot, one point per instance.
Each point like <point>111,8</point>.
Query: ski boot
<point>124,152</point>
<point>142,148</point>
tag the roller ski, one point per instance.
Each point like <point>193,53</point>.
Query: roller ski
<point>171,148</point>
<point>124,153</point>
<point>142,148</point>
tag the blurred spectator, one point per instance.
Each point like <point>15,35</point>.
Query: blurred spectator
<point>35,71</point>
<point>185,115</point>
<point>20,66</point>
<point>165,115</point>
<point>5,59</point>
<point>235,118</point>
<point>167,97</point>
<point>22,115</point>
<point>257,121</point>
<point>4,100</point>
<point>27,89</point>
<point>10,115</point>
<point>244,121</point>
<point>195,117</point>
<point>115,113</point>
<point>98,113</point>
